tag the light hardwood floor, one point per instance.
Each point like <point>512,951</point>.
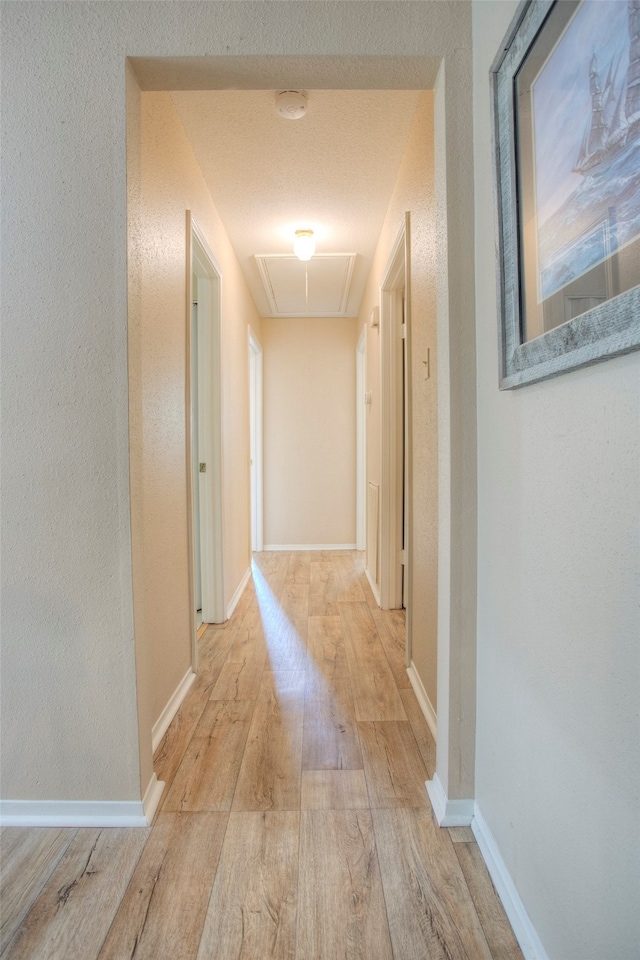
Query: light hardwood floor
<point>294,824</point>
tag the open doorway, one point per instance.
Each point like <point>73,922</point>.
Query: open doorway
<point>395,507</point>
<point>240,451</point>
<point>205,446</point>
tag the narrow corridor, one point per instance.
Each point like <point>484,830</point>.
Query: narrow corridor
<point>294,822</point>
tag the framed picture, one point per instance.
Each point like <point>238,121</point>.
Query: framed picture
<point>566,121</point>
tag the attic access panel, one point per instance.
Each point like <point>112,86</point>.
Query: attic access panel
<point>315,288</point>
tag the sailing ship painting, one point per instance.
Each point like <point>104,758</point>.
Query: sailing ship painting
<point>586,116</point>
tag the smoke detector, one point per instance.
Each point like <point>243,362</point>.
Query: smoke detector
<point>291,104</point>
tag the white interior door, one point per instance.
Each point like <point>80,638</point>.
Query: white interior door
<point>361,440</point>
<point>205,435</point>
<point>255,422</point>
<point>395,432</point>
<point>398,529</point>
<point>405,457</point>
<point>195,458</point>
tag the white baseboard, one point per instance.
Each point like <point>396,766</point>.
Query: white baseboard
<point>448,813</point>
<point>161,725</point>
<point>523,928</point>
<point>151,797</point>
<point>374,586</point>
<point>83,813</point>
<point>461,813</point>
<point>310,546</point>
<point>423,700</point>
<point>72,813</point>
<point>233,603</point>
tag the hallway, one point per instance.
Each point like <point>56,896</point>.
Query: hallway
<point>294,822</point>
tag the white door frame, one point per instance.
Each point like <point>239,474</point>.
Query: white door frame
<point>456,411</point>
<point>393,339</point>
<point>361,441</point>
<point>203,269</point>
<point>255,434</point>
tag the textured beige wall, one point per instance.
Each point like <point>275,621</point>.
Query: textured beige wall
<point>558,732</point>
<point>309,430</point>
<point>171,183</point>
<point>414,191</point>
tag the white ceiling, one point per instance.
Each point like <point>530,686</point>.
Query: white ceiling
<point>332,171</point>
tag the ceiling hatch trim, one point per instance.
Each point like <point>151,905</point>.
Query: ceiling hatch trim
<point>316,288</point>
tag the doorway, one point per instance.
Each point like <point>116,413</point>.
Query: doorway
<point>204,456</point>
<point>444,386</point>
<point>395,506</point>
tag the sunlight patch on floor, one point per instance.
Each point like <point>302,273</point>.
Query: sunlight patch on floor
<point>289,661</point>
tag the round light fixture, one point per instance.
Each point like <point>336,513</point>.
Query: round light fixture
<point>291,104</point>
<point>304,246</point>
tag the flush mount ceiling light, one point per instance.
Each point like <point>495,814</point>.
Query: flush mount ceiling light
<point>304,246</point>
<point>291,104</point>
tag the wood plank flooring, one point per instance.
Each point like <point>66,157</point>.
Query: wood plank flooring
<point>294,824</point>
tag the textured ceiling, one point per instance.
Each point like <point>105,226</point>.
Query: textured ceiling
<point>333,171</point>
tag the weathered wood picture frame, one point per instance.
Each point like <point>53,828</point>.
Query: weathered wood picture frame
<point>548,272</point>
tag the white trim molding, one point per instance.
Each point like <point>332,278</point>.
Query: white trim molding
<point>72,813</point>
<point>310,546</point>
<point>151,797</point>
<point>161,725</point>
<point>523,928</point>
<point>423,700</point>
<point>375,590</point>
<point>448,813</point>
<point>233,603</point>
<point>462,813</point>
<point>83,813</point>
